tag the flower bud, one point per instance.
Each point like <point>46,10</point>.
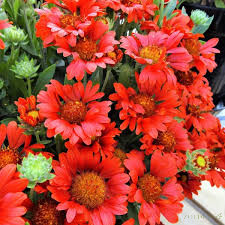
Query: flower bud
<point>14,35</point>
<point>199,17</point>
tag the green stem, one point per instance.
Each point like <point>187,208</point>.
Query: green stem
<point>123,27</point>
<point>161,13</point>
<point>31,195</point>
<point>37,137</point>
<point>85,79</point>
<point>106,80</point>
<point>29,87</point>
<point>58,142</point>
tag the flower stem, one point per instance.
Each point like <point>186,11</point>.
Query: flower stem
<point>37,137</point>
<point>29,87</point>
<point>106,80</point>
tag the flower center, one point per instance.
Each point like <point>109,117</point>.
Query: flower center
<point>147,102</point>
<point>201,162</point>
<point>8,156</point>
<point>213,162</point>
<point>184,78</point>
<point>150,187</point>
<point>73,111</point>
<point>130,2</point>
<point>194,109</point>
<point>68,20</point>
<point>121,155</point>
<point>151,52</point>
<point>34,114</point>
<point>193,46</point>
<point>167,140</point>
<point>88,189</point>
<point>86,49</point>
<point>45,212</point>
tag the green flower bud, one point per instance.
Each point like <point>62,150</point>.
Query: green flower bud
<point>36,168</point>
<point>199,17</point>
<point>14,35</point>
<point>25,68</point>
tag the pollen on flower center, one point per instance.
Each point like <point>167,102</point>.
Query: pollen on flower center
<point>151,52</point>
<point>34,114</point>
<point>147,102</point>
<point>73,111</point>
<point>150,187</point>
<point>130,2</point>
<point>193,46</point>
<point>88,189</point>
<point>8,156</point>
<point>120,154</point>
<point>86,48</point>
<point>68,20</point>
<point>184,78</point>
<point>167,140</point>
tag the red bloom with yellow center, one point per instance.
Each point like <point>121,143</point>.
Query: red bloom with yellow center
<point>89,51</point>
<point>78,116</point>
<point>149,189</point>
<point>70,23</point>
<point>159,52</point>
<point>3,24</point>
<point>86,186</point>
<point>11,196</point>
<point>148,110</point>
<point>203,54</point>
<point>28,111</point>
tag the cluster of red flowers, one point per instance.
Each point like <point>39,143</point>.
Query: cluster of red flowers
<point>169,113</point>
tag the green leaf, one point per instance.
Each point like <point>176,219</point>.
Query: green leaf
<point>7,120</point>
<point>133,212</point>
<point>21,85</point>
<point>201,29</point>
<point>219,3</point>
<point>44,78</point>
<point>97,76</point>
<point>125,74</point>
<point>178,119</point>
<point>1,83</point>
<point>16,7</point>
<point>170,8</point>
<point>66,81</point>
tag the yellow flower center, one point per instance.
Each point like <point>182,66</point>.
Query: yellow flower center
<point>88,189</point>
<point>167,140</point>
<point>34,114</point>
<point>45,212</point>
<point>73,111</point>
<point>86,49</point>
<point>151,52</point>
<point>121,155</point>
<point>150,187</point>
<point>147,102</point>
<point>8,156</point>
<point>193,46</point>
<point>184,78</point>
<point>201,161</point>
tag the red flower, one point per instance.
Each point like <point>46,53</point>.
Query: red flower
<point>73,112</point>
<point>190,183</point>
<point>28,111</point>
<point>3,24</point>
<point>89,51</point>
<point>129,222</point>
<point>104,144</point>
<point>148,110</point>
<point>85,186</point>
<point>203,54</point>
<point>55,22</point>
<point>152,192</point>
<point>159,52</point>
<point>12,197</point>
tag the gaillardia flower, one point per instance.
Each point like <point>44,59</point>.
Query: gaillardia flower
<point>73,112</point>
<point>12,197</point>
<point>84,185</point>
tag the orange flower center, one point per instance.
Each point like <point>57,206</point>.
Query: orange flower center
<point>86,49</point>
<point>88,189</point>
<point>73,111</point>
<point>45,212</point>
<point>8,156</point>
<point>147,102</point>
<point>151,52</point>
<point>193,46</point>
<point>184,78</point>
<point>150,187</point>
<point>69,20</point>
<point>130,2</point>
<point>34,114</point>
<point>120,154</point>
<point>194,109</point>
<point>167,140</point>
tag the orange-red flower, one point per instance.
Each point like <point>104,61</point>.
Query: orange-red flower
<point>84,185</point>
<point>3,24</point>
<point>147,110</point>
<point>12,197</point>
<point>73,112</point>
<point>28,111</point>
<point>159,52</point>
<point>90,51</point>
<point>150,189</point>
